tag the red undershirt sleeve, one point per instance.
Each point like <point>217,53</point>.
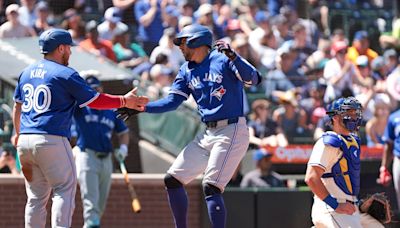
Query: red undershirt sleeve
<point>107,101</point>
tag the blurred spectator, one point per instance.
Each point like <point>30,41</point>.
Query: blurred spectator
<point>275,6</point>
<point>27,13</point>
<point>13,28</point>
<point>393,83</point>
<point>291,118</point>
<point>162,78</point>
<point>278,79</point>
<point>262,176</point>
<point>390,59</point>
<point>225,16</point>
<point>241,45</point>
<point>59,7</point>
<point>42,22</point>
<point>73,23</point>
<point>319,13</point>
<point>148,13</point>
<point>380,69</point>
<point>95,45</point>
<point>313,102</point>
<point>3,6</point>
<point>6,156</point>
<point>205,18</point>
<point>129,55</point>
<point>269,46</point>
<point>112,24</point>
<point>167,47</point>
<point>263,131</point>
<point>375,127</point>
<point>184,21</point>
<point>247,15</point>
<point>171,17</point>
<point>360,46</point>
<point>232,28</point>
<point>339,73</point>
<point>263,22</point>
<point>338,35</point>
<point>186,8</point>
<point>281,29</point>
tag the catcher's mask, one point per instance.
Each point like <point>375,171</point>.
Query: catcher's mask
<point>378,206</point>
<point>343,107</point>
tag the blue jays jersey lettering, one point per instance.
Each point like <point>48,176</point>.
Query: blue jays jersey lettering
<point>392,132</point>
<point>49,92</point>
<point>216,87</point>
<point>95,127</point>
<point>346,171</point>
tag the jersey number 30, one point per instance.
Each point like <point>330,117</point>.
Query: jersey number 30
<point>38,98</point>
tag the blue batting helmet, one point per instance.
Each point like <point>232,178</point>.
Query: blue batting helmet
<point>197,35</point>
<point>341,106</point>
<point>50,39</point>
<point>93,81</point>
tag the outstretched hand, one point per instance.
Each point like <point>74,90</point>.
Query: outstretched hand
<point>225,48</point>
<point>125,113</point>
<point>135,102</point>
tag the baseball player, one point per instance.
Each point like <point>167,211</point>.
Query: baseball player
<point>215,79</point>
<point>391,153</point>
<point>333,171</point>
<point>94,129</point>
<point>44,101</point>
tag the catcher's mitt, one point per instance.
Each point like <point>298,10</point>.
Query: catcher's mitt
<point>378,206</point>
<point>126,113</point>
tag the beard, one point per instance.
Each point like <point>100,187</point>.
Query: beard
<point>65,59</point>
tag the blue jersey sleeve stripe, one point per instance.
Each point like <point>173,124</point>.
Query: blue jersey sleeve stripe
<point>317,164</point>
<point>18,101</point>
<point>179,93</point>
<point>89,101</point>
<point>122,132</point>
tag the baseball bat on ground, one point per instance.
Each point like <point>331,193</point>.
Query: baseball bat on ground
<point>135,200</point>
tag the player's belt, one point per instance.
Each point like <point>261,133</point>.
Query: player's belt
<point>98,154</point>
<point>221,123</point>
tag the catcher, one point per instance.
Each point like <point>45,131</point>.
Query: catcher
<point>375,211</point>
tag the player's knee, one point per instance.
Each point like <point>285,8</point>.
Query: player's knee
<point>171,182</point>
<point>210,189</point>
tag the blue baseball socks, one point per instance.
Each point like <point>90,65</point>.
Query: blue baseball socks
<point>178,202</point>
<point>216,210</point>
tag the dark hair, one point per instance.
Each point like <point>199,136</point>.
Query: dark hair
<point>161,59</point>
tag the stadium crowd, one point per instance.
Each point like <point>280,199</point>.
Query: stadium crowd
<point>307,57</point>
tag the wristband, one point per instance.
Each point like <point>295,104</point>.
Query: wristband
<point>332,202</point>
<point>123,148</point>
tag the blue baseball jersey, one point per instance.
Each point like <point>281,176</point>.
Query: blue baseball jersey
<point>215,84</point>
<point>94,128</point>
<point>392,132</point>
<point>49,92</point>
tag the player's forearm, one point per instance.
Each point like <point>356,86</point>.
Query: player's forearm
<point>166,104</point>
<point>313,180</point>
<point>16,117</point>
<point>124,138</point>
<point>248,73</point>
<point>387,155</point>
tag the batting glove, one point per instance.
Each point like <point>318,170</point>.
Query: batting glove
<point>225,48</point>
<point>126,113</point>
<point>121,153</point>
<point>384,176</point>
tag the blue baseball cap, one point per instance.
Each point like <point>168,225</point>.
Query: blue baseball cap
<point>93,81</point>
<point>260,154</point>
<point>359,35</point>
<point>262,16</point>
<point>50,39</point>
